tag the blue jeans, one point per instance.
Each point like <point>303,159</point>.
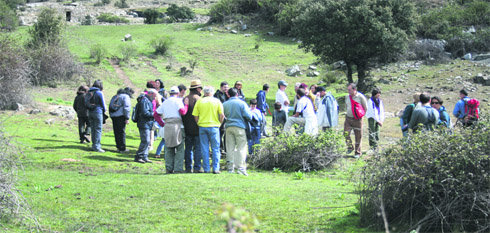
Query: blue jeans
<point>145,142</point>
<point>95,119</point>
<point>210,135</point>
<point>160,147</point>
<point>256,134</point>
<point>192,152</point>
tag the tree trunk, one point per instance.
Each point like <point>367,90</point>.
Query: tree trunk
<point>349,72</point>
<point>361,77</point>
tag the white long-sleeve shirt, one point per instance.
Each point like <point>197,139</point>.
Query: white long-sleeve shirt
<point>372,111</point>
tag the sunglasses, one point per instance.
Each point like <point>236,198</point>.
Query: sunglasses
<point>434,103</point>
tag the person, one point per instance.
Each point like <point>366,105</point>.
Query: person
<point>82,114</point>
<point>444,119</point>
<point>355,105</point>
<point>328,109</point>
<point>144,110</point>
<point>425,115</point>
<point>222,93</point>
<point>304,115</point>
<point>95,103</point>
<point>376,116</point>
<point>255,126</point>
<point>182,90</point>
<point>120,117</point>
<point>263,107</point>
<point>160,87</point>
<point>208,113</point>
<point>238,86</point>
<point>155,103</point>
<point>237,116</point>
<point>407,113</point>
<point>312,95</point>
<point>461,110</point>
<point>279,118</point>
<point>172,111</point>
<point>192,142</point>
<point>281,96</point>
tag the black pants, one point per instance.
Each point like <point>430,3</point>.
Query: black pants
<point>119,126</point>
<point>83,127</point>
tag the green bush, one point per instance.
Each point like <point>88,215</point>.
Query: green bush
<point>110,18</point>
<point>88,20</point>
<point>222,9</point>
<point>128,51</point>
<point>98,52</point>
<point>299,153</point>
<point>433,181</point>
<point>11,200</point>
<point>8,18</point>
<point>121,4</point>
<point>161,45</point>
<point>179,13</point>
<point>151,16</point>
<point>47,29</point>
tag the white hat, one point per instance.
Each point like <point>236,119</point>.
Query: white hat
<point>174,90</point>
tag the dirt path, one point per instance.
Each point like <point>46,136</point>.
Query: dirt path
<point>121,74</point>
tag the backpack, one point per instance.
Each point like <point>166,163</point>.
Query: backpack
<point>115,104</point>
<point>90,102</point>
<point>136,109</point>
<point>471,111</point>
<point>357,109</point>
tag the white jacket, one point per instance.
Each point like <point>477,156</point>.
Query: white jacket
<point>372,111</point>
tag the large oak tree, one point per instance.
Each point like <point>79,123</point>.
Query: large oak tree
<point>359,32</point>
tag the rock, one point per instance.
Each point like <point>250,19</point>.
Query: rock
<point>312,67</point>
<point>210,29</point>
<point>64,112</point>
<point>399,113</point>
<point>34,111</point>
<point>199,29</point>
<point>384,81</point>
<point>228,28</point>
<point>49,121</point>
<point>270,33</point>
<point>233,31</point>
<point>293,71</point>
<point>18,107</point>
<point>467,56</point>
<point>128,37</point>
<point>248,35</point>
<point>338,65</point>
<point>313,74</point>
<point>481,57</point>
<point>244,27</point>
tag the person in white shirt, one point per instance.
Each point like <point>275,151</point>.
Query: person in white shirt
<point>304,115</point>
<point>376,115</point>
<point>281,96</point>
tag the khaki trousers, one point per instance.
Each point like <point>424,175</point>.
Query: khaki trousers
<point>236,148</point>
<point>356,125</point>
<point>291,121</point>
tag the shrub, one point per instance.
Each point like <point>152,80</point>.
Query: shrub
<point>434,181</point>
<point>161,44</point>
<point>179,13</point>
<point>222,9</point>
<point>121,4</point>
<point>128,51</point>
<point>87,20</point>
<point>151,16</point>
<point>10,198</point>
<point>299,153</point>
<point>8,18</point>
<point>110,18</point>
<point>14,73</point>
<point>47,29</point>
<point>98,52</point>
<point>237,219</point>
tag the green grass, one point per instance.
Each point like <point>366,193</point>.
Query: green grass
<point>108,192</point>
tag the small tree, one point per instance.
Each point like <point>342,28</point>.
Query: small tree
<point>359,32</point>
<point>180,12</point>
<point>47,29</point>
<point>151,16</point>
<point>8,18</point>
<point>98,52</point>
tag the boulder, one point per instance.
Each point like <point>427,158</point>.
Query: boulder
<point>467,56</point>
<point>270,33</point>
<point>244,27</point>
<point>18,107</point>
<point>399,113</point>
<point>338,65</point>
<point>312,67</point>
<point>64,112</point>
<point>481,57</point>
<point>293,71</point>
<point>384,81</point>
<point>34,111</point>
<point>248,35</point>
<point>128,37</point>
<point>233,31</point>
<point>313,74</point>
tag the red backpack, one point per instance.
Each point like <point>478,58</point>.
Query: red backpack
<point>471,110</point>
<point>357,109</point>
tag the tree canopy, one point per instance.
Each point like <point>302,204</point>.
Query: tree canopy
<point>359,32</point>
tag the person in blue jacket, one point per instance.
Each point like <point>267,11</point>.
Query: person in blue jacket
<point>145,123</point>
<point>444,119</point>
<point>262,106</point>
<point>94,101</point>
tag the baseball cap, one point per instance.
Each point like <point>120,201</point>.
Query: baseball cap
<point>282,83</point>
<point>174,90</point>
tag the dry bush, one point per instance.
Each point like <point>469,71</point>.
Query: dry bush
<point>14,73</point>
<point>434,182</point>
<point>302,152</point>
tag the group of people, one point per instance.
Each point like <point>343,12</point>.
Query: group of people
<point>207,123</point>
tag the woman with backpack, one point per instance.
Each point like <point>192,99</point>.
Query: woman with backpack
<point>82,114</point>
<point>94,100</point>
<point>119,110</point>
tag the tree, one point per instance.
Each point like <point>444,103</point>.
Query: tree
<point>47,29</point>
<point>359,32</point>
<point>151,16</point>
<point>8,18</point>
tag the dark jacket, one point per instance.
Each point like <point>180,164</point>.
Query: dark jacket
<point>407,114</point>
<point>190,126</point>
<point>79,105</point>
<point>221,96</point>
<point>261,101</point>
<point>145,112</point>
<point>99,100</point>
